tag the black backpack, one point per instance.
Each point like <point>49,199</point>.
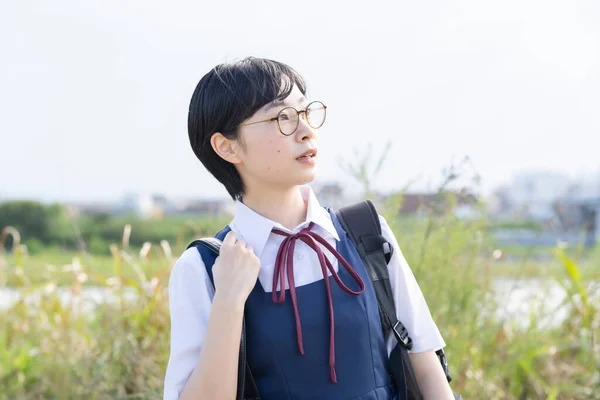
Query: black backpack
<point>361,223</point>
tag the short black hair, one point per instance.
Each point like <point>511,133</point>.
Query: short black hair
<point>225,97</point>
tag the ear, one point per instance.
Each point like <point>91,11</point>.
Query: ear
<point>227,149</point>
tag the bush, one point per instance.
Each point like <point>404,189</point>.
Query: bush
<point>34,246</point>
<point>46,223</point>
<point>97,245</point>
<point>49,225</point>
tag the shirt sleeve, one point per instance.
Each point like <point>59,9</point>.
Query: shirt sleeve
<point>190,298</point>
<point>410,304</point>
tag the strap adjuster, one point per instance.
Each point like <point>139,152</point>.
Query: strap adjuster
<point>402,335</point>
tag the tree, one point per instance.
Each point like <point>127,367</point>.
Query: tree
<point>34,220</point>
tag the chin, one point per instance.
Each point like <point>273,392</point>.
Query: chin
<point>307,180</point>
<point>301,180</point>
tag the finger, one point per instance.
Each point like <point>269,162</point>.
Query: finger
<point>230,238</point>
<point>241,243</point>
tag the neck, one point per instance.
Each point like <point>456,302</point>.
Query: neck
<point>284,206</point>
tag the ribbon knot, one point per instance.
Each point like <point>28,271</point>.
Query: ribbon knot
<point>285,262</point>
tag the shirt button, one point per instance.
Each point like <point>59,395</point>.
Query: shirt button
<point>299,256</point>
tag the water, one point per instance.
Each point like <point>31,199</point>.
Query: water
<point>521,299</point>
<point>517,299</point>
<point>89,298</point>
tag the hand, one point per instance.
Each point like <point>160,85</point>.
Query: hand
<point>235,271</point>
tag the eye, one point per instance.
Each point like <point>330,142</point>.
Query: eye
<point>287,114</point>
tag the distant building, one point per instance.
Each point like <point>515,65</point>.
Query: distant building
<point>204,207</point>
<point>464,205</point>
<point>154,206</point>
<point>561,205</point>
<point>79,209</point>
<point>145,205</point>
<point>533,195</point>
<point>580,214</point>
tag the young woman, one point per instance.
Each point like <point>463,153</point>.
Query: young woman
<point>254,129</point>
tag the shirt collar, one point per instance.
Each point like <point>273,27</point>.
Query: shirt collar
<point>256,229</point>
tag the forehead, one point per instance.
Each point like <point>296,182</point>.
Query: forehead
<point>295,99</point>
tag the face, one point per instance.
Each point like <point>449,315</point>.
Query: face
<point>265,158</point>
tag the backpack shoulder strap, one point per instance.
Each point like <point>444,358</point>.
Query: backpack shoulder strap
<point>209,249</point>
<point>361,223</point>
<point>246,386</point>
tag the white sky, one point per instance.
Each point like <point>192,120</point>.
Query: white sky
<point>94,95</point>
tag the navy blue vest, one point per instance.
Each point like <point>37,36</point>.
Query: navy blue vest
<point>279,369</point>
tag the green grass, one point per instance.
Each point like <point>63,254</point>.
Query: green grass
<point>56,266</point>
<point>54,351</point>
<point>551,269</point>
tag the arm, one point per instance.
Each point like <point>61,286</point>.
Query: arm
<point>196,320</point>
<point>413,312</point>
<point>215,374</point>
<point>430,376</point>
<point>205,332</point>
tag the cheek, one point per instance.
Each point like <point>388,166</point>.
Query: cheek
<point>273,157</point>
<point>268,156</point>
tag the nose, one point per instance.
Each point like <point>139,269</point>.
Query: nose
<point>304,131</point>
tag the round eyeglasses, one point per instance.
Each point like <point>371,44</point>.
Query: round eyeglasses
<point>288,118</point>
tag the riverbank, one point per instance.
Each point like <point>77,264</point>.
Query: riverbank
<point>82,326</point>
<point>57,266</point>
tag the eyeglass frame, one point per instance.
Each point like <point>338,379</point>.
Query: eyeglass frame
<point>298,112</point>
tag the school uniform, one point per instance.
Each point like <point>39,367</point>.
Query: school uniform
<point>317,341</point>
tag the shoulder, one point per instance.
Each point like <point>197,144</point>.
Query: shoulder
<point>187,265</point>
<point>383,222</point>
<point>189,279</point>
<point>189,305</point>
<point>386,230</point>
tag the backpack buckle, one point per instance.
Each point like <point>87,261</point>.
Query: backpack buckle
<point>388,251</point>
<point>444,362</point>
<point>402,335</point>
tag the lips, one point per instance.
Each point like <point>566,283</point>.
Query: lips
<point>307,154</point>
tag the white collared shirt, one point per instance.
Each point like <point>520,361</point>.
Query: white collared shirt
<point>190,289</point>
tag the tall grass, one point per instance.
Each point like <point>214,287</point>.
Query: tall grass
<point>117,348</point>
